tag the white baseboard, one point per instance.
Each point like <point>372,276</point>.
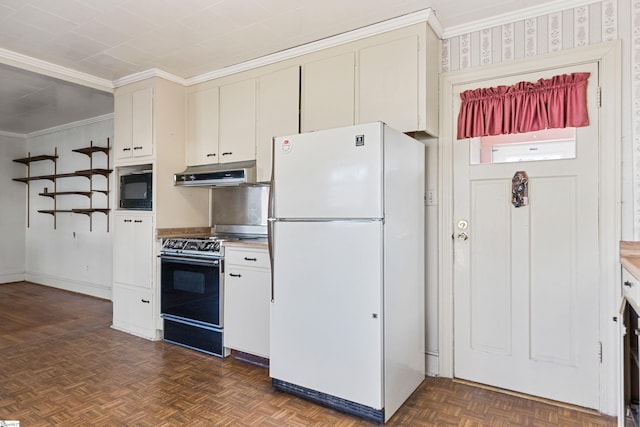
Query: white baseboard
<point>9,278</point>
<point>92,289</point>
<point>431,362</point>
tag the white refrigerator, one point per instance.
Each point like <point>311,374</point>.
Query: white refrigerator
<point>346,234</point>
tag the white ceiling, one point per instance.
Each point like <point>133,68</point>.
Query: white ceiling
<point>111,39</point>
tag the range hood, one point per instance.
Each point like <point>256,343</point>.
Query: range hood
<point>221,174</point>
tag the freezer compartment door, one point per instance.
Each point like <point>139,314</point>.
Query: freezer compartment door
<point>326,315</point>
<point>335,173</point>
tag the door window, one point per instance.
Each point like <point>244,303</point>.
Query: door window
<point>547,144</point>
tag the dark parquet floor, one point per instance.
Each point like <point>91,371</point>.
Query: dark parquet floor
<point>62,365</point>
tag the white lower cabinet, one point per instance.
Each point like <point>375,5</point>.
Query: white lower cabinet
<point>133,311</point>
<point>247,294</point>
<point>134,262</point>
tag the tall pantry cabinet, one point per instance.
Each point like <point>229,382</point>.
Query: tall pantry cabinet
<point>149,136</point>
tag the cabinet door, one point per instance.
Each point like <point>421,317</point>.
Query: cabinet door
<point>142,126</point>
<point>246,310</point>
<point>237,122</point>
<point>277,114</point>
<point>123,120</point>
<point>388,83</point>
<point>133,311</point>
<point>133,250</point>
<point>133,114</point>
<point>202,127</point>
<point>328,93</point>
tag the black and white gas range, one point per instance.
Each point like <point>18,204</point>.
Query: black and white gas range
<point>192,291</point>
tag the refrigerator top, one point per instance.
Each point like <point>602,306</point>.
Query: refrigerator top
<point>331,174</point>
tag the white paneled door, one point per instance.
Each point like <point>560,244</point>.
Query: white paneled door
<point>526,280</point>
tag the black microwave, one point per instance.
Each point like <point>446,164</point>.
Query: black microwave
<point>135,191</point>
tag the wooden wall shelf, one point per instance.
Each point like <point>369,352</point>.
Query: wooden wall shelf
<point>29,160</point>
<point>87,173</point>
<point>66,193</point>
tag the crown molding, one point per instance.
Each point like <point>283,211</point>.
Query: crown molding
<point>350,36</point>
<point>12,134</point>
<point>519,15</point>
<point>71,125</point>
<point>147,74</point>
<point>32,64</point>
<point>29,63</point>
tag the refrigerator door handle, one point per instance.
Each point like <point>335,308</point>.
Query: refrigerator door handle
<point>270,227</point>
<point>270,218</point>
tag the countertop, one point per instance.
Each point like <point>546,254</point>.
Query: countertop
<point>630,257</point>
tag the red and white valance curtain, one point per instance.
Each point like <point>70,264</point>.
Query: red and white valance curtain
<point>558,102</point>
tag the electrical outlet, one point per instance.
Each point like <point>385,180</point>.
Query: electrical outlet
<point>431,199</point>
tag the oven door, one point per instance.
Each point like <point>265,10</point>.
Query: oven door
<point>191,290</point>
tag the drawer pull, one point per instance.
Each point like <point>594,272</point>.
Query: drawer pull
<point>146,301</point>
<point>235,275</point>
<point>250,259</point>
<point>228,153</point>
<point>628,283</point>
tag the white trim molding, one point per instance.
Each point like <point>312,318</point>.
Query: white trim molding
<point>10,278</point>
<point>12,134</point>
<point>635,111</point>
<point>32,64</point>
<point>35,65</point>
<point>96,290</point>
<point>426,15</point>
<point>147,74</point>
<point>71,125</point>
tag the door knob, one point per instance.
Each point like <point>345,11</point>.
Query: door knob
<point>463,236</point>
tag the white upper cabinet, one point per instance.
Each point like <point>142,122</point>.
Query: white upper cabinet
<point>388,82</point>
<point>277,114</point>
<point>390,77</point>
<point>133,124</point>
<point>328,87</point>
<point>202,127</point>
<point>237,121</point>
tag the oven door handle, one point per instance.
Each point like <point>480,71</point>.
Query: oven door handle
<point>188,260</point>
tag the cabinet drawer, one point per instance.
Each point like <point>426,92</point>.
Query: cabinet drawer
<point>630,287</point>
<point>247,257</point>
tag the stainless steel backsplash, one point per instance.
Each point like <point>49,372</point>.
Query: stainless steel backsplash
<point>242,205</point>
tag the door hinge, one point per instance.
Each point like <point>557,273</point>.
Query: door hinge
<point>600,351</point>
<point>599,96</point>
